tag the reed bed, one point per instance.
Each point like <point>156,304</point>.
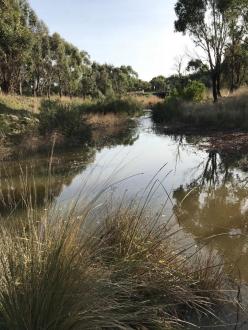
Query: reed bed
<point>112,269</point>
<point>228,113</point>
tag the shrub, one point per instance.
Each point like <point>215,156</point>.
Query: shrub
<point>169,110</point>
<point>194,91</point>
<point>63,118</point>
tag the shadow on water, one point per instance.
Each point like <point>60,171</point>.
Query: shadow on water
<point>28,179</point>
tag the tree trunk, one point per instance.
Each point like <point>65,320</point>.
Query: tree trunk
<point>218,78</point>
<point>49,91</point>
<point>232,64</point>
<point>20,88</point>
<point>5,87</point>
<point>214,86</point>
<point>232,84</point>
<point>232,81</point>
<point>218,83</point>
<point>37,87</point>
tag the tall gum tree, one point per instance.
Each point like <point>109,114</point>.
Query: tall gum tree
<point>207,23</point>
<point>15,40</point>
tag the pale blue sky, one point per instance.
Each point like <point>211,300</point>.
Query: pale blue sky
<point>130,32</point>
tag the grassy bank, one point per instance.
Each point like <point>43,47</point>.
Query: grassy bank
<point>30,125</point>
<point>10,103</point>
<point>230,113</point>
<point>119,271</point>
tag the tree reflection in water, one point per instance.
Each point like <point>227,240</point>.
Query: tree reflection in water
<point>214,209</point>
<point>28,179</point>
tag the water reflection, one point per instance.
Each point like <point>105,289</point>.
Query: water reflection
<point>218,217</point>
<point>207,189</point>
<point>29,179</point>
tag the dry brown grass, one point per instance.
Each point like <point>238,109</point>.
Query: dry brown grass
<point>108,120</point>
<point>229,113</point>
<point>5,149</point>
<point>15,102</point>
<point>148,100</point>
<point>33,104</point>
<point>98,270</point>
<point>225,92</point>
<point>122,275</point>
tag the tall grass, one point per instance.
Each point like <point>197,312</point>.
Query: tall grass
<point>99,270</point>
<point>228,113</point>
<point>19,104</point>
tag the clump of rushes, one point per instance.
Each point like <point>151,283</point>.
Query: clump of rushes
<point>58,272</point>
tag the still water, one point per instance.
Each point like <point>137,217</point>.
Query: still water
<point>204,194</point>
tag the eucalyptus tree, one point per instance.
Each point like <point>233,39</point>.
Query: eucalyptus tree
<point>40,60</point>
<point>159,84</point>
<point>15,41</point>
<point>59,62</point>
<point>74,68</point>
<point>196,66</point>
<point>236,51</point>
<point>211,23</point>
<point>235,66</point>
<point>33,61</point>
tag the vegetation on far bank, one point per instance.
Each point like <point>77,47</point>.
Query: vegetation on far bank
<point>230,113</point>
<point>29,124</point>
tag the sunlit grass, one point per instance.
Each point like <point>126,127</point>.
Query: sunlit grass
<point>228,113</point>
<point>115,268</point>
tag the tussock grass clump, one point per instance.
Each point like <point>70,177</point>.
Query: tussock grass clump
<point>228,113</point>
<point>59,272</point>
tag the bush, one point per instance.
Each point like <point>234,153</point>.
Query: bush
<point>167,111</point>
<point>63,118</point>
<point>194,91</point>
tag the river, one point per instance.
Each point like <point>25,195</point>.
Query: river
<point>201,193</point>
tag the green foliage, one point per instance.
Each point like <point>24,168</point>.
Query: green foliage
<point>213,26</point>
<point>168,111</point>
<point>33,62</point>
<point>172,108</point>
<point>16,21</point>
<point>194,91</point>
<point>159,84</point>
<point>66,119</point>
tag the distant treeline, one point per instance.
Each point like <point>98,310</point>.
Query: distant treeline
<point>33,62</point>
